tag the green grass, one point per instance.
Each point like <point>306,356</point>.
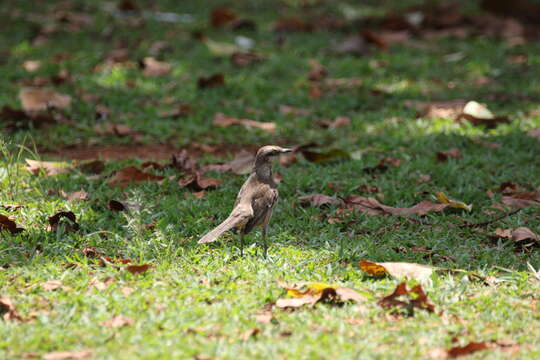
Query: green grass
<point>200,300</point>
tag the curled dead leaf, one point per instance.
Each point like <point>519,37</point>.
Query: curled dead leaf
<point>7,224</point>
<point>49,168</point>
<point>39,99</point>
<point>197,182</point>
<point>138,269</point>
<point>70,225</point>
<point>8,310</point>
<point>397,269</point>
<point>153,67</point>
<point>408,300</point>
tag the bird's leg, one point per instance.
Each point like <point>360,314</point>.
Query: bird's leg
<point>264,239</point>
<point>241,244</point>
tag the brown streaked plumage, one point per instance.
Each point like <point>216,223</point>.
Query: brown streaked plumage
<point>255,200</point>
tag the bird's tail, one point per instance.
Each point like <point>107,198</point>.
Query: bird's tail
<point>226,225</point>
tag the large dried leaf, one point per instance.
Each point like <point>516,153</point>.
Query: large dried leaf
<point>131,174</point>
<point>373,207</point>
<point>522,200</point>
<point>245,58</point>
<point>221,119</point>
<point>138,269</point>
<point>70,224</point>
<point>7,224</point>
<point>221,16</point>
<point>117,321</point>
<point>437,109</point>
<point>49,168</point>
<point>312,293</point>
<point>77,195</point>
<point>153,67</point>
<point>445,155</point>
<point>197,182</point>
<point>8,311</point>
<point>38,99</point>
<point>443,199</point>
<point>407,300</point>
<point>479,114</point>
<point>397,269</point>
<point>211,81</point>
<point>318,200</point>
<point>68,355</point>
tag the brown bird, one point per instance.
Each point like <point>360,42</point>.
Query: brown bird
<point>255,200</point>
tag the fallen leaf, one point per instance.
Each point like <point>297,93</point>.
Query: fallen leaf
<point>437,109</point>
<point>243,58</point>
<point>38,99</point>
<point>221,16</point>
<point>423,178</point>
<point>292,24</point>
<point>317,72</point>
<point>51,285</point>
<point>479,114</point>
<point>138,269</point>
<point>353,45</point>
<point>264,317</point>
<point>449,154</point>
<point>383,165</point>
<point>221,119</point>
<point>524,233</point>
<point>7,224</point>
<point>153,67</point>
<point>70,225</point>
<point>13,206</point>
<point>289,110</point>
<point>523,199</point>
<point>91,167</point>
<point>413,298</point>
<point>397,269</point>
<point>443,199</point>
<point>31,65</point>
<point>535,133</point>
<point>322,157</point>
<point>180,111</point>
<point>312,293</point>
<point>339,121</point>
<point>119,130</point>
<point>211,81</point>
<point>372,207</point>
<point>8,310</point>
<point>318,200</point>
<point>115,205</point>
<point>132,174</point>
<point>183,161</point>
<point>250,333</point>
<point>50,168</point>
<point>470,348</point>
<point>368,189</point>
<point>91,253</point>
<point>67,355</point>
<point>77,195</point>
<point>117,321</point>
<point>197,182</point>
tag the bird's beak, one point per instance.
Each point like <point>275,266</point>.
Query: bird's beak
<point>286,150</point>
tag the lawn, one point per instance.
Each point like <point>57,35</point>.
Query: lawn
<point>388,109</point>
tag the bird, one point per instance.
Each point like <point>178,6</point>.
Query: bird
<point>254,202</point>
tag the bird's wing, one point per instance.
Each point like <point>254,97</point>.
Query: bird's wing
<point>238,217</point>
<point>262,204</point>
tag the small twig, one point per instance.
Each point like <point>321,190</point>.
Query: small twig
<point>484,223</point>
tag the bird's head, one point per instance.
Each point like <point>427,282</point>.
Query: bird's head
<point>269,151</point>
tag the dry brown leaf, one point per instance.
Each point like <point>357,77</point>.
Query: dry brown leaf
<point>479,114</point>
<point>39,99</point>
<point>317,72</point>
<point>289,110</point>
<point>50,168</point>
<point>292,24</point>
<point>535,133</point>
<point>423,178</point>
<point>524,233</point>
<point>523,199</point>
<point>31,65</point>
<point>449,154</point>
<point>197,182</point>
<point>312,293</point>
<point>221,119</point>
<point>132,174</point>
<point>264,317</point>
<point>470,348</point>
<point>138,269</point>
<point>372,207</point>
<point>180,111</point>
<point>243,59</point>
<point>67,355</point>
<point>153,67</point>
<point>414,298</point>
<point>70,225</point>
<point>51,285</point>
<point>353,45</point>
<point>437,109</point>
<point>211,81</point>
<point>77,195</point>
<point>7,224</point>
<point>221,16</point>
<point>119,130</point>
<point>8,310</point>
<point>397,269</point>
<point>117,321</point>
<point>339,121</point>
<point>318,200</point>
